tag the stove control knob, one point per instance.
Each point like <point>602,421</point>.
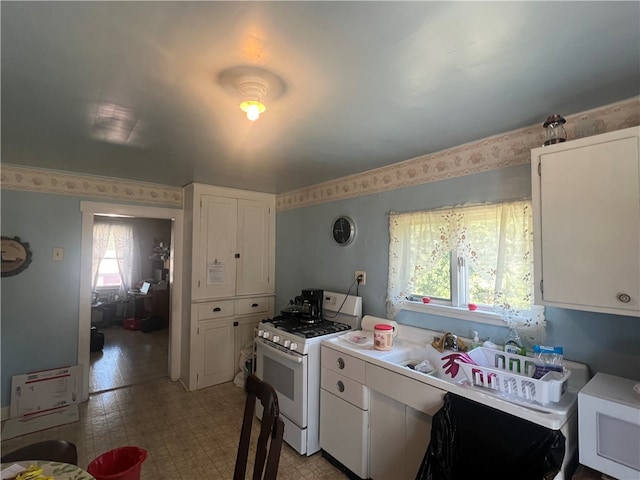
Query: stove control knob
<point>260,333</point>
<point>265,335</point>
<point>276,338</point>
<point>287,343</point>
<point>293,346</point>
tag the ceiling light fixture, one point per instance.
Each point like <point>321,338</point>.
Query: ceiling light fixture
<point>254,90</point>
<point>253,85</point>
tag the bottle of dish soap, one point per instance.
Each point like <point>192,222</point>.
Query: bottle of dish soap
<point>476,340</point>
<point>513,344</point>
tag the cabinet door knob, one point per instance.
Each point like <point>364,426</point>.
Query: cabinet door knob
<point>217,309</point>
<point>340,363</point>
<point>340,386</point>
<point>624,298</point>
<point>237,255</point>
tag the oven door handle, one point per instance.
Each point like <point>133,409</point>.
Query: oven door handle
<point>286,356</point>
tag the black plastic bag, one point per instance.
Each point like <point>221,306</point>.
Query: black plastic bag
<point>471,440</point>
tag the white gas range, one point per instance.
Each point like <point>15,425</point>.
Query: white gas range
<point>288,357</point>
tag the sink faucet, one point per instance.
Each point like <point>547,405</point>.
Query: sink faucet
<point>450,341</point>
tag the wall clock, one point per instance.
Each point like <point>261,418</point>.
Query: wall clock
<point>16,256</point>
<point>343,230</point>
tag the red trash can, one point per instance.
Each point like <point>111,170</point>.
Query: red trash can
<point>122,463</point>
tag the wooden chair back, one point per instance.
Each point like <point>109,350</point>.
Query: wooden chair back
<point>267,458</point>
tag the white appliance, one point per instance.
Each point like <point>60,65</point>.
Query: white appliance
<point>609,426</point>
<point>288,358</point>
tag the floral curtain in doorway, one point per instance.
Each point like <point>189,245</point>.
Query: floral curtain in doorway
<point>115,243</point>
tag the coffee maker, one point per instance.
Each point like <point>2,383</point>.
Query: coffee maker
<point>312,305</point>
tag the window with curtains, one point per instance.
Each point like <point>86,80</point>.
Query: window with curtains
<point>115,256</point>
<point>472,254</point>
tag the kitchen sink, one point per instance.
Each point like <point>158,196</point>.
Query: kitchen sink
<point>409,355</point>
<point>412,364</point>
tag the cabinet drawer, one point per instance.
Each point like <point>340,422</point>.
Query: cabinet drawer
<point>249,306</point>
<point>212,310</point>
<point>417,395</point>
<point>343,364</point>
<point>350,390</point>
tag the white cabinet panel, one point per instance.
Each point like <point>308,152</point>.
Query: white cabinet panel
<point>418,436</point>
<point>213,310</point>
<point>215,263</point>
<point>255,259</point>
<point>353,392</point>
<point>344,432</point>
<point>586,205</point>
<point>387,437</point>
<point>343,364</point>
<point>216,352</point>
<point>233,241</point>
<point>401,410</point>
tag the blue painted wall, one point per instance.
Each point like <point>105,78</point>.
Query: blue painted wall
<point>307,257</point>
<point>39,306</point>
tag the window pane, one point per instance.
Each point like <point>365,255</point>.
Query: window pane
<point>108,273</point>
<point>436,282</point>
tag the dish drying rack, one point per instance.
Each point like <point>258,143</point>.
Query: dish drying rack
<point>511,375</point>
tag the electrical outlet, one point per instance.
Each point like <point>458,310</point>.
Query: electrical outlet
<point>364,276</point>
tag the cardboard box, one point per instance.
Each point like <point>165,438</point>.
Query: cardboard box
<point>45,390</point>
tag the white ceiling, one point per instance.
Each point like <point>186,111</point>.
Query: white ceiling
<point>131,90</point>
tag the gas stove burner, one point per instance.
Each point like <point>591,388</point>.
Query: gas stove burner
<point>297,326</point>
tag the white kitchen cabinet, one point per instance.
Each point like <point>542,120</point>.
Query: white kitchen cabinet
<point>214,352</point>
<point>229,278</point>
<point>220,330</point>
<point>233,242</point>
<point>586,223</point>
<point>400,413</point>
<point>344,410</point>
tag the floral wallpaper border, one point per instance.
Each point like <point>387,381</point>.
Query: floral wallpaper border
<point>13,177</point>
<point>499,151</point>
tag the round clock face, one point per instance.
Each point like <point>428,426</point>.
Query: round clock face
<point>16,256</point>
<point>344,230</point>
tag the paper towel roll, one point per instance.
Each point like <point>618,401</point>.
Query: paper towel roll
<point>369,322</point>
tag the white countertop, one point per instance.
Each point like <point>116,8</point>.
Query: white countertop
<point>553,415</point>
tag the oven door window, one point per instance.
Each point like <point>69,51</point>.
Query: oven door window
<point>289,378</point>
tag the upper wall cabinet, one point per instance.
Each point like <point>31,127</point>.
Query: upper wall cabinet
<point>233,243</point>
<point>586,220</point>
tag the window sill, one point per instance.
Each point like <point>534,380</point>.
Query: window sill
<point>488,318</point>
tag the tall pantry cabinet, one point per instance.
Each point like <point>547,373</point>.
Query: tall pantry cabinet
<point>586,223</point>
<point>229,278</point>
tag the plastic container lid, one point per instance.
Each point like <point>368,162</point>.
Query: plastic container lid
<point>383,326</point>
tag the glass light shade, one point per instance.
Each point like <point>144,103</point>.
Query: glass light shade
<point>253,109</point>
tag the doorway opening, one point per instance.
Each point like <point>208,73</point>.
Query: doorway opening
<point>172,345</point>
<point>130,313</point>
